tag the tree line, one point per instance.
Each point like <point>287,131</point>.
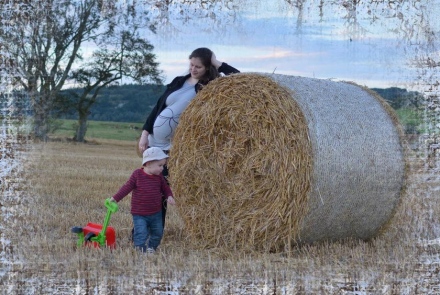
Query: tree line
<point>125,103</point>
<point>133,103</point>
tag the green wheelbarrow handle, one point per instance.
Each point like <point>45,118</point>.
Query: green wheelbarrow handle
<point>111,206</point>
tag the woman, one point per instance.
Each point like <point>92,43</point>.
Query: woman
<point>159,128</point>
<point>163,119</point>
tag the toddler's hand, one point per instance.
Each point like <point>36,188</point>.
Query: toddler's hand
<point>171,200</point>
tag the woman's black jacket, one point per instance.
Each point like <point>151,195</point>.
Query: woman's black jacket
<point>176,84</point>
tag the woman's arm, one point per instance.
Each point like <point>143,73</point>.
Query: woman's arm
<point>143,141</point>
<point>227,69</point>
<point>222,67</point>
<point>216,63</point>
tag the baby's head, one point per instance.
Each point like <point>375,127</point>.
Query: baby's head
<point>153,159</point>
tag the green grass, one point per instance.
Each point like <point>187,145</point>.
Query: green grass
<point>411,119</point>
<point>99,130</point>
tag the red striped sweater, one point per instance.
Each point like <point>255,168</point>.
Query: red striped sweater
<point>148,191</point>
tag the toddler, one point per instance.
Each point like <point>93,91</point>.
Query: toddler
<point>149,189</point>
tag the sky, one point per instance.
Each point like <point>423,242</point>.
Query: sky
<point>266,37</point>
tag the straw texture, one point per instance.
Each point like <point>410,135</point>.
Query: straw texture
<point>262,162</point>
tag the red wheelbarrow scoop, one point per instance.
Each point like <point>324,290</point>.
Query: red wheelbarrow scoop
<point>98,235</point>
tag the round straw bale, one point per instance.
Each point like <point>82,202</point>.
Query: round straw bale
<point>265,161</point>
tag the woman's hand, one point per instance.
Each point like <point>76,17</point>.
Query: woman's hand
<point>215,62</point>
<point>143,141</point>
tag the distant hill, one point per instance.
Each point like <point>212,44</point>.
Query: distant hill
<point>133,103</point>
<point>126,103</point>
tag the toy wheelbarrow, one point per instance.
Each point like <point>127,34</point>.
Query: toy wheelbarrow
<point>98,235</point>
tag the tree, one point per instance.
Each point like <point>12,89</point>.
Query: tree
<point>43,39</point>
<point>130,57</point>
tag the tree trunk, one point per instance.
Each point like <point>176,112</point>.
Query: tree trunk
<point>41,126</point>
<point>81,129</point>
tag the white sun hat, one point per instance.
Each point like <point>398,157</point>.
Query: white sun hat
<point>153,153</point>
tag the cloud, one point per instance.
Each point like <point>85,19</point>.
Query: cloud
<point>267,37</point>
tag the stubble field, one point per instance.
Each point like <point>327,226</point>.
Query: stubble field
<point>64,185</point>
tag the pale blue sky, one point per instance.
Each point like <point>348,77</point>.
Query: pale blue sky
<point>265,37</point>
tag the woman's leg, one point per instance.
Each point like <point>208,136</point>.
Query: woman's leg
<point>164,202</point>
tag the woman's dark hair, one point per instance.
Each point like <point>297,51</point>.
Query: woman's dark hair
<point>205,54</point>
